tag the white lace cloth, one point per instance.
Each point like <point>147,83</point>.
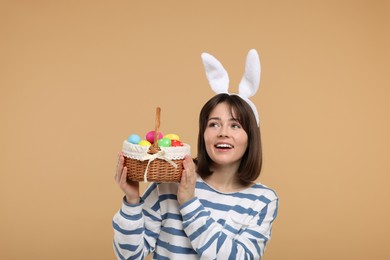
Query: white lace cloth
<point>138,152</point>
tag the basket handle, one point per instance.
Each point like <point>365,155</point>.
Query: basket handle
<point>154,147</point>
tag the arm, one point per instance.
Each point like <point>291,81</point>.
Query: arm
<point>227,239</point>
<point>128,224</point>
<point>136,226</point>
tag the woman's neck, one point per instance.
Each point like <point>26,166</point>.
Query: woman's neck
<point>225,179</point>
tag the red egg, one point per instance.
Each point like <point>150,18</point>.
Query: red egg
<point>176,143</point>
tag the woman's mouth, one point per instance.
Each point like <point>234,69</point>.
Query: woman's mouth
<point>224,146</point>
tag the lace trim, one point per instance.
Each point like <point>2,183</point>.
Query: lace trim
<point>138,152</point>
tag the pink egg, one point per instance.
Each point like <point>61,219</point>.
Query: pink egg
<point>150,136</point>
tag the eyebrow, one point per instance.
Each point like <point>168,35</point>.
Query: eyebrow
<point>219,119</point>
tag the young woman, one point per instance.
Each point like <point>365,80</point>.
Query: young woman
<point>217,211</point>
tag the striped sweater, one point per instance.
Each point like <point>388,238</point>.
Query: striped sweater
<point>213,225</point>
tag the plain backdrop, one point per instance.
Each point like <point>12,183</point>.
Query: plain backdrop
<point>78,77</point>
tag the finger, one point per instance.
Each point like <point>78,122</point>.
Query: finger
<point>119,167</point>
<point>192,177</point>
<point>188,177</point>
<point>190,163</point>
<point>119,157</point>
<point>123,177</point>
<point>183,181</point>
<point>187,163</point>
<point>190,169</point>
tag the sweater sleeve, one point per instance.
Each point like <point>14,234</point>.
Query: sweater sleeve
<point>136,227</point>
<point>229,238</point>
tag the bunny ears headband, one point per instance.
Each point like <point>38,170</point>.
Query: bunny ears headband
<point>219,80</point>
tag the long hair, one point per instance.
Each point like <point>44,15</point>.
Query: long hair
<point>251,162</point>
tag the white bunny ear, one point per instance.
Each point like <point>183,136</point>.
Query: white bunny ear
<point>216,74</point>
<point>251,79</point>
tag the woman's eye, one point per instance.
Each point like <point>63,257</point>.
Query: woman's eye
<point>236,126</point>
<point>213,124</point>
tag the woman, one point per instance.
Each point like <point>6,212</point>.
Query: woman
<point>216,211</point>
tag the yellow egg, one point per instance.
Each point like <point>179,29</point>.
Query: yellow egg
<point>144,143</point>
<point>172,137</point>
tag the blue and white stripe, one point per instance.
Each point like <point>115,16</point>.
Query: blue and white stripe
<point>213,225</point>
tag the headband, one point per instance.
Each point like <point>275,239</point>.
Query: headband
<point>219,80</point>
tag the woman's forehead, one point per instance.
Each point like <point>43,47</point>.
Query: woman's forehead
<point>223,110</point>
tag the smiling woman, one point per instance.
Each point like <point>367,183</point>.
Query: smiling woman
<point>225,120</point>
<point>217,211</point>
<point>77,75</point>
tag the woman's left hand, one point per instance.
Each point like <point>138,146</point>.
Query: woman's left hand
<point>186,190</point>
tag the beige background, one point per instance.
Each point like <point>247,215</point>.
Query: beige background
<point>77,77</point>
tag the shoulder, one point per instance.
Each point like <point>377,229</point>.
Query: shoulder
<point>263,192</point>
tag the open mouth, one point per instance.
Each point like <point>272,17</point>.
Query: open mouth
<point>224,146</point>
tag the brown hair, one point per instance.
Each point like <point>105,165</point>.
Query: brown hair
<point>251,162</point>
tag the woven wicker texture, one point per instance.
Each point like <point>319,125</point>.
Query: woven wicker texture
<point>158,170</point>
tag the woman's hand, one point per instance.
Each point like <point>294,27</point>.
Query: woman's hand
<point>130,188</point>
<point>186,190</point>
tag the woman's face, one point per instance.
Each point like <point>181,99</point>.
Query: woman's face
<point>225,139</point>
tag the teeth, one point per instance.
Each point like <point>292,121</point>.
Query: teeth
<point>224,146</point>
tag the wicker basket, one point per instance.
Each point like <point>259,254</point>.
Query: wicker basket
<point>154,164</point>
<point>164,166</point>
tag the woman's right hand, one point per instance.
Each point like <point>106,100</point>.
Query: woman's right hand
<point>130,188</point>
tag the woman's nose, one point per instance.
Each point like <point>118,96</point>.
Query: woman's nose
<point>223,132</point>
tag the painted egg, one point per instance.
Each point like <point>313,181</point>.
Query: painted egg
<point>144,143</point>
<point>134,139</point>
<point>150,136</point>
<point>164,142</point>
<point>172,136</point>
<point>176,143</point>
